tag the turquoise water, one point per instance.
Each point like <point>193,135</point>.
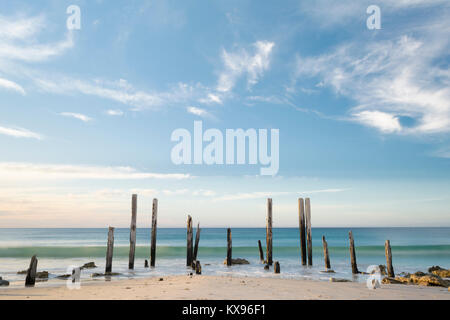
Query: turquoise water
<point>412,248</point>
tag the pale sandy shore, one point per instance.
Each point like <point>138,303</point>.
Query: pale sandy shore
<point>226,287</point>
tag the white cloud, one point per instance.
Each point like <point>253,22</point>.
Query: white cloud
<point>20,28</point>
<point>384,122</point>
<point>389,80</point>
<point>30,171</point>
<point>198,112</point>
<point>78,116</point>
<point>34,52</point>
<point>240,63</point>
<point>211,99</point>
<point>10,85</point>
<point>114,112</point>
<point>20,133</point>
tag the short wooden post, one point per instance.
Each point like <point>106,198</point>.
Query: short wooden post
<point>308,230</point>
<point>189,242</point>
<point>261,253</point>
<point>109,250</point>
<point>229,248</point>
<point>154,226</point>
<point>325,254</point>
<point>353,253</point>
<point>146,263</point>
<point>276,267</point>
<point>133,231</point>
<point>198,267</point>
<point>390,268</point>
<point>30,280</point>
<point>269,232</point>
<point>197,240</point>
<point>301,225</point>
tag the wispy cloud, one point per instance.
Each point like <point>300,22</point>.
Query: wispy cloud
<point>18,40</point>
<point>12,28</point>
<point>18,132</point>
<point>389,80</point>
<point>11,85</point>
<point>122,91</point>
<point>242,63</point>
<point>199,112</point>
<point>268,194</point>
<point>114,112</point>
<point>14,170</point>
<point>78,116</point>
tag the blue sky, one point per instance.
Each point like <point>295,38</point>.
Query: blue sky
<point>86,115</point>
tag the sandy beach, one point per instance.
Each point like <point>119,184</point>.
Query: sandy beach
<point>224,288</point>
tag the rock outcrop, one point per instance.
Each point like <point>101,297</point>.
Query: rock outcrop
<point>89,265</point>
<point>3,283</point>
<point>419,278</point>
<point>441,272</point>
<point>107,274</point>
<point>237,261</point>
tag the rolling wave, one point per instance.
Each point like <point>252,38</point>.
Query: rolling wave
<point>180,251</point>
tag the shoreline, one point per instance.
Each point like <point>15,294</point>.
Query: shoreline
<point>203,287</point>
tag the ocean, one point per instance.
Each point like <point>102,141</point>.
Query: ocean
<point>413,249</point>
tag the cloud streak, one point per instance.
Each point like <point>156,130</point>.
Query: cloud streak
<point>11,85</point>
<point>78,116</point>
<point>30,171</point>
<point>18,132</point>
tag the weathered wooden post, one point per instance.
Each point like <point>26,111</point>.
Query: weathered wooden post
<point>198,267</point>
<point>133,231</point>
<point>390,268</point>
<point>325,254</point>
<point>153,241</point>
<point>30,280</point>
<point>197,240</point>
<point>189,242</point>
<point>109,250</point>
<point>261,253</point>
<point>301,225</point>
<point>229,248</point>
<point>353,253</point>
<point>146,263</point>
<point>276,267</point>
<point>308,230</point>
<point>269,232</point>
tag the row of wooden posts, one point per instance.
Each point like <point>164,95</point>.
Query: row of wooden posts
<point>304,213</point>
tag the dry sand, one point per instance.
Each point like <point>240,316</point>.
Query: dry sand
<point>225,287</point>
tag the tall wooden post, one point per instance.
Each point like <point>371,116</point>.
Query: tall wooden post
<point>189,242</point>
<point>197,240</point>
<point>261,253</point>
<point>325,254</point>
<point>353,253</point>
<point>154,228</point>
<point>109,250</point>
<point>308,230</point>
<point>269,232</point>
<point>301,225</point>
<point>133,231</point>
<point>30,280</point>
<point>229,248</point>
<point>390,268</point>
